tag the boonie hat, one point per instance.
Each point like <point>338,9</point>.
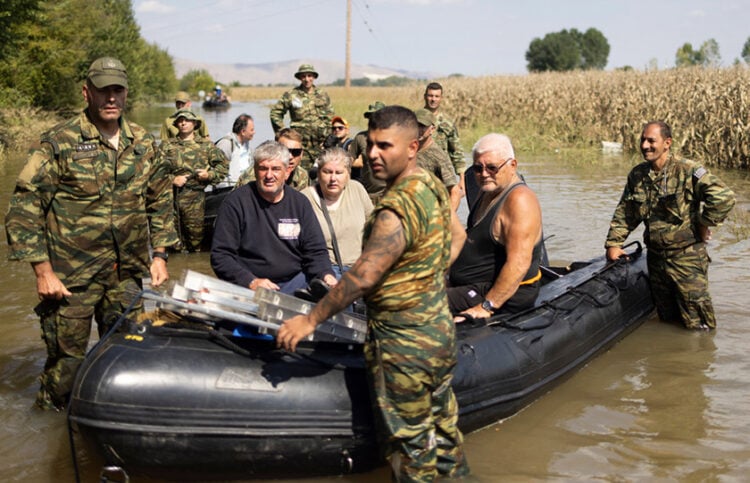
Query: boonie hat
<point>425,117</point>
<point>107,71</point>
<point>340,120</point>
<point>182,96</point>
<point>187,114</point>
<point>306,69</point>
<point>375,106</point>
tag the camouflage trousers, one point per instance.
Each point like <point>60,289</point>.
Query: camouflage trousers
<point>66,327</point>
<point>415,407</point>
<point>679,284</point>
<point>191,206</point>
<point>312,143</point>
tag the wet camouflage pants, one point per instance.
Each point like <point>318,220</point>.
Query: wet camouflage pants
<point>416,409</point>
<point>679,284</point>
<point>66,328</point>
<point>191,204</point>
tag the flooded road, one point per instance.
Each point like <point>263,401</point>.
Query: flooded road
<point>662,405</point>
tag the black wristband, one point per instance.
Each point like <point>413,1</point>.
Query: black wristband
<point>163,255</point>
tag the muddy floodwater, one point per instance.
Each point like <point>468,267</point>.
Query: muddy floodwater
<point>662,405</point>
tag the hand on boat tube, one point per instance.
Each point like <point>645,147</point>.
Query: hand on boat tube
<point>294,330</point>
<point>614,253</point>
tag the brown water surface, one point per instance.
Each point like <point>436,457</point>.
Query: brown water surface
<point>662,405</point>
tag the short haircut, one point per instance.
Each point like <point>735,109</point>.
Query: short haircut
<point>289,133</point>
<point>664,128</point>
<point>494,143</point>
<point>241,123</point>
<point>433,86</point>
<point>335,154</point>
<point>271,150</point>
<point>394,116</point>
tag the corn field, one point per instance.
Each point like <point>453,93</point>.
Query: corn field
<point>708,109</point>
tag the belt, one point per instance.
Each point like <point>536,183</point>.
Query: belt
<point>533,279</point>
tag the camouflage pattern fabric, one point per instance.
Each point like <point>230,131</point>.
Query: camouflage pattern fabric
<point>437,162</point>
<point>185,157</point>
<point>375,187</point>
<point>411,346</point>
<point>446,136</point>
<point>91,211</point>
<point>671,204</point>
<point>310,114</point>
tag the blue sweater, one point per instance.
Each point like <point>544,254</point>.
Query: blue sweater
<point>257,239</point>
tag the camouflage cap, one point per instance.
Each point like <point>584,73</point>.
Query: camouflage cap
<point>107,71</point>
<point>340,120</point>
<point>425,117</point>
<point>187,114</point>
<point>375,106</point>
<point>306,69</point>
<point>182,96</point>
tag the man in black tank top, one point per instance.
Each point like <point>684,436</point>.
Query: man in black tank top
<point>497,269</point>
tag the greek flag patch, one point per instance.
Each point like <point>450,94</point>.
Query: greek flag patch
<point>698,173</point>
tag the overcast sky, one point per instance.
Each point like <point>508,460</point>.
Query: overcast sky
<point>439,37</point>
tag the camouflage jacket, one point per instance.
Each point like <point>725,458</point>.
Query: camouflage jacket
<point>185,157</point>
<point>412,291</point>
<point>84,206</point>
<point>308,111</point>
<point>670,203</point>
<point>446,136</point>
<point>437,162</point>
<point>358,147</point>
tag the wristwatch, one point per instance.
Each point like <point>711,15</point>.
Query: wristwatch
<point>487,305</point>
<point>163,255</point>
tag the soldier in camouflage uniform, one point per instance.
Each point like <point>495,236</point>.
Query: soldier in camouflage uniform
<point>196,163</point>
<point>310,112</point>
<point>169,130</point>
<point>87,207</point>
<point>358,150</point>
<point>678,201</point>
<point>434,159</point>
<point>297,177</point>
<point>446,133</point>
<point>410,349</point>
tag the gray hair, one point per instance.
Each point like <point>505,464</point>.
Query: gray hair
<point>272,150</point>
<point>494,143</point>
<point>335,154</point>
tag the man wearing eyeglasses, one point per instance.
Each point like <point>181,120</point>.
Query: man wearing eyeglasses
<point>497,270</point>
<point>297,177</point>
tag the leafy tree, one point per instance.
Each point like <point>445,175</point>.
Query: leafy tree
<point>13,14</point>
<point>746,51</point>
<point>197,80</point>
<point>568,50</point>
<point>686,56</point>
<point>709,53</point>
<point>706,55</point>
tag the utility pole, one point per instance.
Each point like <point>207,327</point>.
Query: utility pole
<point>348,62</point>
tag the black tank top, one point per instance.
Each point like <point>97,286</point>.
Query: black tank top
<point>482,257</point>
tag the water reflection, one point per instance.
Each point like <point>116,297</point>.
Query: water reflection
<point>663,404</point>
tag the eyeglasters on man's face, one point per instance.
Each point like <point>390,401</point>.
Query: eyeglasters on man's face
<point>295,151</point>
<point>338,128</point>
<point>490,168</point>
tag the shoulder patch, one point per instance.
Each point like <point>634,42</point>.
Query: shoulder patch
<point>698,173</point>
<point>86,147</point>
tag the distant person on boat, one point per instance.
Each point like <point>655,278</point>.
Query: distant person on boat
<point>342,206</point>
<point>498,270</point>
<point>87,229</point>
<point>358,149</point>
<point>434,159</point>
<point>168,129</point>
<point>297,177</point>
<point>446,133</point>
<point>678,201</point>
<point>266,233</point>
<point>196,163</point>
<point>236,147</point>
<point>411,345</point>
<point>310,113</point>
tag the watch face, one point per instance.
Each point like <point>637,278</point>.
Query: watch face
<point>487,305</point>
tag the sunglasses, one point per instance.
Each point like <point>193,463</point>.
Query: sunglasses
<point>338,128</point>
<point>490,168</point>
<point>295,151</point>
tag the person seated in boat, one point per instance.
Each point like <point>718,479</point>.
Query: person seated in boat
<point>342,206</point>
<point>196,163</point>
<point>266,233</point>
<point>497,270</point>
<point>297,177</point>
<point>236,146</point>
<point>169,130</point>
<point>434,159</point>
